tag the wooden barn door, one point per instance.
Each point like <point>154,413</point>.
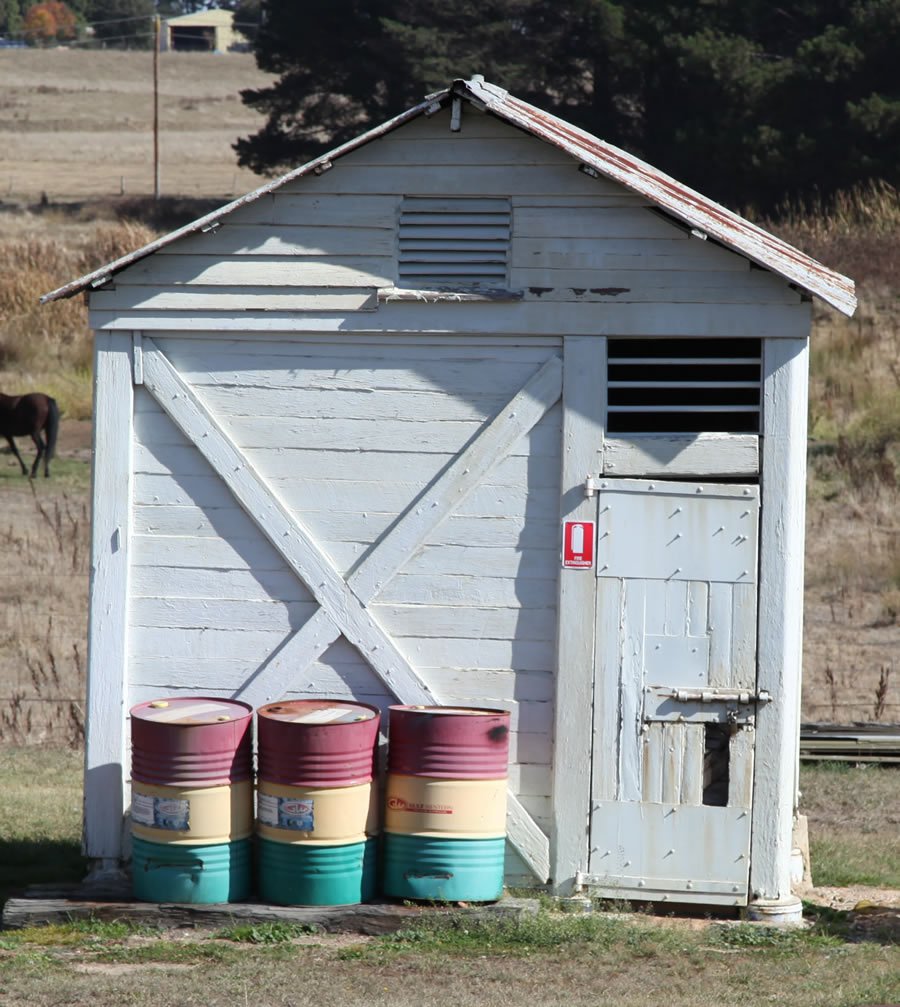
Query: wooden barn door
<point>336,517</point>
<point>675,691</point>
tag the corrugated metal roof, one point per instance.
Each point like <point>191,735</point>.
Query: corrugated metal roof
<point>683,203</point>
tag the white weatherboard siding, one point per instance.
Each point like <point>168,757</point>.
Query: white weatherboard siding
<point>446,530</point>
<point>311,256</point>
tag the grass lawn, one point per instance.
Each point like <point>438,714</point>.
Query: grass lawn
<point>854,823</point>
<point>552,958</point>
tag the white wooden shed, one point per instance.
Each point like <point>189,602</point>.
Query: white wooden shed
<point>475,409</point>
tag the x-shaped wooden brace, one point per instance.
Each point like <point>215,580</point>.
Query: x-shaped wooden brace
<point>343,602</point>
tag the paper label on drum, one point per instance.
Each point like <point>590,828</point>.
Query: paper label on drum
<point>286,812</point>
<point>168,813</point>
<point>142,809</point>
<point>267,808</point>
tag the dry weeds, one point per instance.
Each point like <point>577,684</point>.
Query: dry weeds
<point>44,562</point>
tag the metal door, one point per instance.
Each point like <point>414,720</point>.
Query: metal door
<point>674,692</point>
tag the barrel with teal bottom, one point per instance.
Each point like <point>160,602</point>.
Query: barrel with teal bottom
<point>301,874</point>
<point>445,803</point>
<point>208,873</point>
<point>192,799</point>
<point>317,809</point>
<point>427,868</point>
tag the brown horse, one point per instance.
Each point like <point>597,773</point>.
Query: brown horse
<point>30,415</point>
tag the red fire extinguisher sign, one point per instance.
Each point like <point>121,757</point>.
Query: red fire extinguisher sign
<point>578,544</point>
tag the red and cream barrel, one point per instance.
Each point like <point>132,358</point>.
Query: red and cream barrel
<point>317,808</point>
<point>191,799</point>
<point>445,803</point>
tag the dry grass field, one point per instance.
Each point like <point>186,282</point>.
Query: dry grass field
<point>73,124</point>
<point>76,124</point>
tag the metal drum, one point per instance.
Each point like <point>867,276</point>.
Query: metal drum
<point>192,799</point>
<point>189,816</point>
<point>292,874</point>
<point>317,743</point>
<point>450,742</point>
<point>191,741</point>
<point>317,810</point>
<point>219,872</point>
<point>445,809</point>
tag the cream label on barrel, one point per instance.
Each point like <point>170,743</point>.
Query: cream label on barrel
<point>286,812</point>
<point>161,812</point>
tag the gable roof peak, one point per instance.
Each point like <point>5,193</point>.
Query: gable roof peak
<point>699,212</point>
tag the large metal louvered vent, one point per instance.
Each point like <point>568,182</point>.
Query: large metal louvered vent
<point>458,243</point>
<point>684,385</point>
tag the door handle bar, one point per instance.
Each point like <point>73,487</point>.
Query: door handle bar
<point>718,696</point>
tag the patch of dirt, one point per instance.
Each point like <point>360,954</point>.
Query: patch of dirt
<point>75,439</point>
<point>846,899</point>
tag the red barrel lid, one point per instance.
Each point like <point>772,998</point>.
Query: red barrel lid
<point>451,711</point>
<point>191,710</point>
<point>318,711</point>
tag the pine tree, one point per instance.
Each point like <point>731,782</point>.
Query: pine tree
<point>746,102</point>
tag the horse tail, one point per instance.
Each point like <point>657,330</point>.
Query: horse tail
<point>52,426</point>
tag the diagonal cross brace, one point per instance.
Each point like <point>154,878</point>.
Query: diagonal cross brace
<point>419,520</point>
<point>343,603</point>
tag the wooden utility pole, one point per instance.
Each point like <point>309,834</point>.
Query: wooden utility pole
<point>156,41</point>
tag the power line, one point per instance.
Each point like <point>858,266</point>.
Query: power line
<point>81,25</point>
<point>102,39</point>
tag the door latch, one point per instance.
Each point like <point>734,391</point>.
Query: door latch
<point>742,696</point>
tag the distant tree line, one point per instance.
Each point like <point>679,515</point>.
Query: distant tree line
<point>121,23</point>
<point>748,101</point>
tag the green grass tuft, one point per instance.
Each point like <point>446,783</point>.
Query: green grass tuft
<point>276,932</point>
<point>545,932</point>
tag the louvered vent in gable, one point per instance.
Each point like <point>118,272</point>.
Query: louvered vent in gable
<point>684,385</point>
<point>459,243</point>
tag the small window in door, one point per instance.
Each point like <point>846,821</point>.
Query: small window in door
<point>684,385</point>
<point>453,243</point>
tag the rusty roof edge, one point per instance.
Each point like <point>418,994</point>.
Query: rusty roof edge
<point>683,202</point>
<point>104,273</point>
